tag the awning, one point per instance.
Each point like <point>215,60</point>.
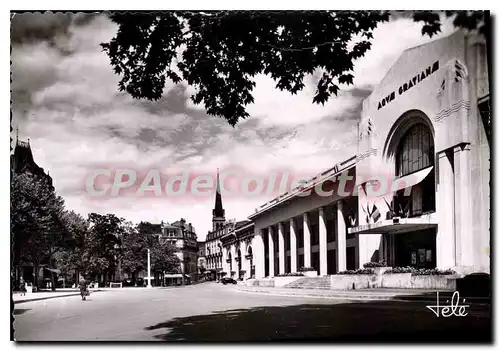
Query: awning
<point>401,182</point>
<point>410,179</point>
<point>397,225</point>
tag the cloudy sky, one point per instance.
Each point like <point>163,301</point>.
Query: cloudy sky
<point>65,100</point>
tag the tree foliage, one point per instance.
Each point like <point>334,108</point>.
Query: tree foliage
<point>43,232</point>
<point>37,225</point>
<point>103,244</point>
<point>70,260</point>
<point>164,258</point>
<point>219,53</point>
<point>135,244</point>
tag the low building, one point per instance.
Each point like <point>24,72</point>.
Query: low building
<point>182,235</point>
<point>416,190</point>
<point>237,257</point>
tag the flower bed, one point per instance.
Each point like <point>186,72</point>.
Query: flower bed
<point>375,264</point>
<point>422,271</point>
<point>412,278</point>
<point>296,274</point>
<point>358,271</point>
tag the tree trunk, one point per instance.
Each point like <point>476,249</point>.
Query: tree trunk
<point>53,280</point>
<point>35,271</point>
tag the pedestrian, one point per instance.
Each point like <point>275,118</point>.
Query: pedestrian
<point>83,288</point>
<point>22,286</point>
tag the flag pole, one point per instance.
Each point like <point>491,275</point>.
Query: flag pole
<point>149,269</point>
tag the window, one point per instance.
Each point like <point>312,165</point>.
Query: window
<point>416,150</point>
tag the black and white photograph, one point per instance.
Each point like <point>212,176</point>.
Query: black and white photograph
<point>256,176</point>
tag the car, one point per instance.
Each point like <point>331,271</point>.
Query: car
<point>127,282</point>
<point>228,281</point>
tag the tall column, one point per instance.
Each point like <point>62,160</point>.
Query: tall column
<point>445,239</point>
<point>293,246</point>
<point>224,259</point>
<point>258,253</point>
<point>234,263</point>
<point>281,248</point>
<point>341,238</point>
<point>463,211</point>
<point>323,262</point>
<point>307,241</point>
<point>271,252</point>
<point>244,263</point>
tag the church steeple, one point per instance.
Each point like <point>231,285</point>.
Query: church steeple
<point>218,213</point>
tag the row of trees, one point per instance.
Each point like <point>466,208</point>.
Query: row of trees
<point>45,233</point>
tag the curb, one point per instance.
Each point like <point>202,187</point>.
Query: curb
<point>395,297</point>
<point>50,297</point>
<point>332,297</point>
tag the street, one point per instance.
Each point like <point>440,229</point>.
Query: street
<point>213,313</point>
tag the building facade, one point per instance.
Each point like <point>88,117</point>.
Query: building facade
<point>202,260</point>
<point>182,235</point>
<point>237,253</point>
<point>213,244</point>
<point>406,195</point>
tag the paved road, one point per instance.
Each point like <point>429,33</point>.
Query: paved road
<point>212,312</point>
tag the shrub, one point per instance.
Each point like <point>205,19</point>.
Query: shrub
<point>297,274</point>
<point>433,271</point>
<point>396,270</point>
<point>307,269</point>
<point>374,264</point>
<point>422,271</point>
<point>358,271</point>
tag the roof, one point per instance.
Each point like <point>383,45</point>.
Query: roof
<point>240,224</point>
<point>238,228</point>
<point>308,185</point>
<point>22,161</point>
<point>218,211</point>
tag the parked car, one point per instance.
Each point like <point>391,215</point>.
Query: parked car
<point>228,281</point>
<point>127,282</point>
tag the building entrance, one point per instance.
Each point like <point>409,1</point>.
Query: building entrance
<point>416,249</point>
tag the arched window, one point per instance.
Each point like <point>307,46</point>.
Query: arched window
<point>415,151</point>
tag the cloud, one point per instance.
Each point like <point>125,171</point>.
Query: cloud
<point>66,100</point>
<point>389,41</point>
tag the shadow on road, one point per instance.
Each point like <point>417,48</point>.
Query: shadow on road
<point>384,321</point>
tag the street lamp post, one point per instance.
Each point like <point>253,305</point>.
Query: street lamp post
<point>149,269</point>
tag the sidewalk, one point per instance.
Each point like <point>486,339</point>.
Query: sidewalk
<point>362,294</point>
<point>44,295</point>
